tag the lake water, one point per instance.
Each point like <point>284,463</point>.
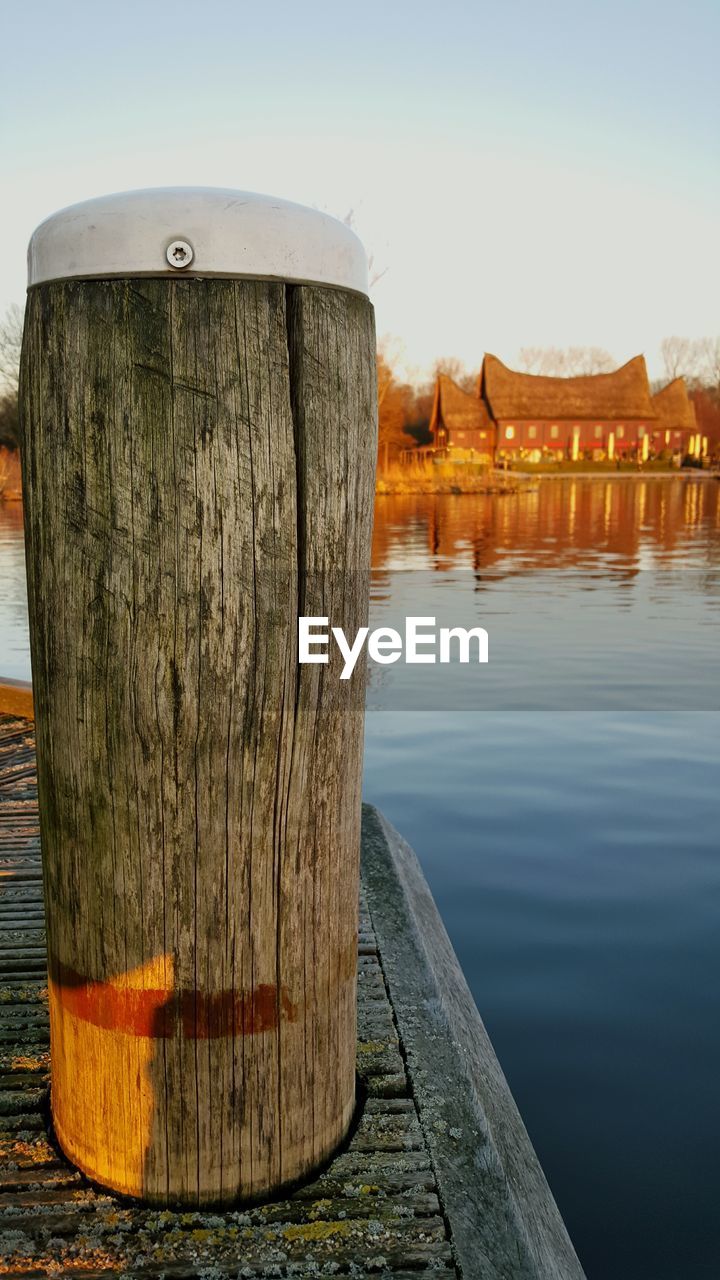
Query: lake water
<point>14,640</point>
<point>564,802</point>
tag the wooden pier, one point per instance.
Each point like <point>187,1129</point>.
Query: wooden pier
<point>438,1175</point>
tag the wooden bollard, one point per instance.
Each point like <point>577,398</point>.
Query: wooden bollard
<point>198,404</point>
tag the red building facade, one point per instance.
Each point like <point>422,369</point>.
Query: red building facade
<point>596,415</point>
<point>537,418</point>
<point>675,426</point>
<point>461,426</point>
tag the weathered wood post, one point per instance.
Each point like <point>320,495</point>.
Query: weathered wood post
<point>199,438</point>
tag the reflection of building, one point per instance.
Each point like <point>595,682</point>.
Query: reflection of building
<point>460,424</point>
<point>603,414</point>
<point>567,525</point>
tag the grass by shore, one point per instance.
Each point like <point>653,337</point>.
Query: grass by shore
<point>446,478</point>
<point>449,478</point>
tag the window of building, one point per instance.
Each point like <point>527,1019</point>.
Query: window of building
<point>554,431</point>
<point>509,433</point>
<point>532,433</point>
<point>598,432</point>
<point>620,432</point>
<point>641,431</point>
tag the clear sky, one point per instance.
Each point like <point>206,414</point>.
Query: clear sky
<point>525,174</point>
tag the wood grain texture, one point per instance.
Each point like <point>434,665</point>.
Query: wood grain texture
<point>376,1200</point>
<point>198,470</point>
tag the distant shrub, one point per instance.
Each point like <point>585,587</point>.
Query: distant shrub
<point>10,481</point>
<point>9,424</point>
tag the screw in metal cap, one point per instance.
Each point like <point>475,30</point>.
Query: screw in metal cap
<point>179,254</point>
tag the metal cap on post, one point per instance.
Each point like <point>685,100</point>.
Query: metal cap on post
<point>198,412</point>
<point>199,231</point>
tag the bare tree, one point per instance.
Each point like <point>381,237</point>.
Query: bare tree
<point>9,427</point>
<point>374,271</point>
<point>710,362</point>
<point>682,357</point>
<point>385,378</point>
<point>589,360</point>
<point>568,362</point>
<point>11,328</point>
<point>454,368</point>
<point>548,361</point>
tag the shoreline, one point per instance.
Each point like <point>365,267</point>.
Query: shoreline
<point>501,483</point>
<point>440,490</point>
<point>689,473</point>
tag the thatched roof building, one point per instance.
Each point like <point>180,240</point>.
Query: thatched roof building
<point>534,417</point>
<point>460,421</point>
<point>457,410</point>
<point>673,407</point>
<point>621,395</point>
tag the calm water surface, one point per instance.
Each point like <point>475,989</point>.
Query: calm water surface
<point>14,640</point>
<point>574,850</point>
<point>568,823</point>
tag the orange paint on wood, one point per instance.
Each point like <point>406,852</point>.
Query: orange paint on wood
<point>16,699</point>
<point>161,1013</point>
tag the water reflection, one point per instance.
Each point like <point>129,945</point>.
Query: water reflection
<point>574,857</point>
<point>616,525</point>
<point>560,575</point>
<point>597,594</point>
